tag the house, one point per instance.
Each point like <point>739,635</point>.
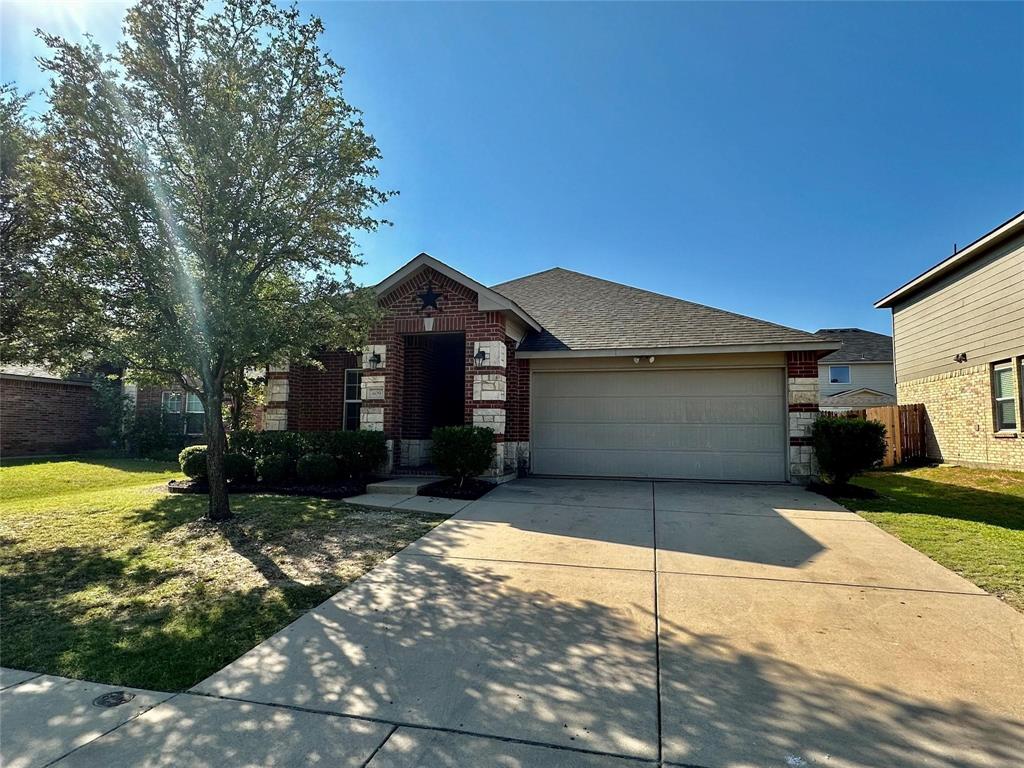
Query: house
<point>857,375</point>
<point>42,412</point>
<point>958,330</point>
<point>576,375</point>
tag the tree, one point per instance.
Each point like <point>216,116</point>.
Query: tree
<point>203,183</point>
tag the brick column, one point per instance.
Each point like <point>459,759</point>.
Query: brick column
<point>802,400</point>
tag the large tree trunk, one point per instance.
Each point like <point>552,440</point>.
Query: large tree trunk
<point>216,447</point>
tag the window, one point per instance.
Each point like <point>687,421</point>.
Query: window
<point>1003,397</point>
<point>839,374</point>
<point>193,415</point>
<point>353,397</point>
<point>170,402</point>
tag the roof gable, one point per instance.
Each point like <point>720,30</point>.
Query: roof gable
<point>858,346</point>
<point>579,313</point>
<point>488,299</point>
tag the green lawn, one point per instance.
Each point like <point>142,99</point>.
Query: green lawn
<point>106,576</point>
<point>970,520</point>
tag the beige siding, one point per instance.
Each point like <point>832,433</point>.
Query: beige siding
<point>876,376</point>
<point>978,309</point>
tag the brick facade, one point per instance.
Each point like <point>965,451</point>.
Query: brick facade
<point>496,394</point>
<point>47,416</point>
<point>959,421</point>
<point>316,396</point>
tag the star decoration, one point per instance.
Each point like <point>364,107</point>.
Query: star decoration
<point>429,298</point>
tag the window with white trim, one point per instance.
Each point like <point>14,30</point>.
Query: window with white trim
<point>170,402</point>
<point>353,397</point>
<point>839,374</point>
<point>193,415</point>
<point>1004,397</point>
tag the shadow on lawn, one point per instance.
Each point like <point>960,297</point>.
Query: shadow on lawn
<point>56,616</point>
<point>902,494</point>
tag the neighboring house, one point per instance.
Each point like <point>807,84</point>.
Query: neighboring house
<point>576,375</point>
<point>959,349</point>
<point>857,375</point>
<point>44,413</point>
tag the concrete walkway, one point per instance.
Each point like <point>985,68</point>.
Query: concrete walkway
<point>610,623</point>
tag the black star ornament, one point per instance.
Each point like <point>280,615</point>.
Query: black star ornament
<point>429,298</point>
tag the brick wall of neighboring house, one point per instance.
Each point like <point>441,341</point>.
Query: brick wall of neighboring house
<point>46,416</point>
<point>316,396</point>
<point>959,418</point>
<point>802,403</point>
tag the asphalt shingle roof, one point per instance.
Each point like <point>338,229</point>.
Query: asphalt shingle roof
<point>580,312</point>
<point>859,346</point>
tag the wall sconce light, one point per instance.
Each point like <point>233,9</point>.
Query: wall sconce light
<point>960,357</point>
<point>479,358</point>
<point>374,361</point>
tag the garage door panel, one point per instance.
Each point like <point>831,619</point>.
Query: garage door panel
<point>722,424</point>
<point>659,410</point>
<point>662,464</point>
<point>668,437</point>
<point>753,381</point>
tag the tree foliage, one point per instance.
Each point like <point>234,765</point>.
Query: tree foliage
<point>201,186</point>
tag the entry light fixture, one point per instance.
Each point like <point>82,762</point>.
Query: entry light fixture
<point>374,361</point>
<point>479,358</point>
<point>960,357</point>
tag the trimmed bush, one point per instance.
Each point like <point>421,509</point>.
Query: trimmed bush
<point>193,461</point>
<point>359,453</point>
<point>317,469</point>
<point>275,468</point>
<point>462,452</point>
<point>239,468</point>
<point>363,453</point>
<point>846,447</point>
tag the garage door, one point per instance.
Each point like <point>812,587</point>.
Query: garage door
<point>695,424</point>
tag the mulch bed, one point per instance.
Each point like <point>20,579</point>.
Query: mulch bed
<point>334,491</point>
<point>843,491</point>
<point>449,489</point>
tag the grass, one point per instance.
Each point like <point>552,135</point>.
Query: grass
<point>108,577</point>
<point>969,520</point>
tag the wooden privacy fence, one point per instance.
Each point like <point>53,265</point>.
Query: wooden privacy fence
<point>904,430</point>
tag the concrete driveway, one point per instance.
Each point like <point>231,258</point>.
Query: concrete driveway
<point>611,623</point>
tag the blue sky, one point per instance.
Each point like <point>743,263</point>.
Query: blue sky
<point>793,162</point>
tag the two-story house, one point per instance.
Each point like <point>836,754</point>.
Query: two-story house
<point>959,349</point>
<point>857,375</point>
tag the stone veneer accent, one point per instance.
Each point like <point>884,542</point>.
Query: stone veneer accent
<point>489,386</point>
<point>275,416</point>
<point>373,387</point>
<point>959,418</point>
<point>371,418</point>
<point>490,417</point>
<point>497,354</point>
<point>802,404</point>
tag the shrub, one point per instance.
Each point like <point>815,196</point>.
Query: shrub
<point>846,447</point>
<point>363,452</point>
<point>317,469</point>
<point>193,461</point>
<point>462,452</point>
<point>358,453</point>
<point>239,468</point>
<point>150,438</point>
<point>275,468</point>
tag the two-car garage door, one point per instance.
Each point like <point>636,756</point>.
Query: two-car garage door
<point>708,424</point>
